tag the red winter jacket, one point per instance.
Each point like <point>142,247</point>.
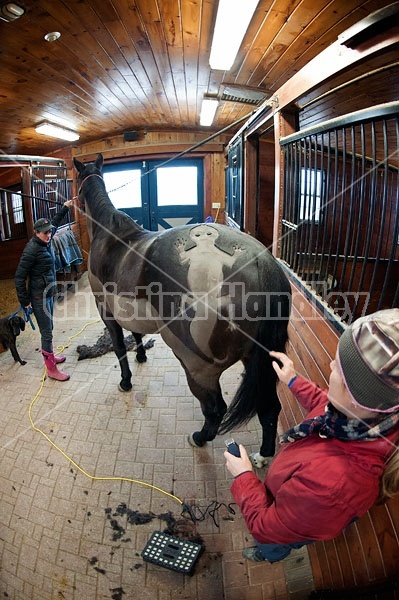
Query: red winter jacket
<point>314,486</point>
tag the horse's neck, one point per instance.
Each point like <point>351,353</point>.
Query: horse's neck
<point>96,196</point>
<point>101,213</point>
<point>89,225</point>
<point>99,207</point>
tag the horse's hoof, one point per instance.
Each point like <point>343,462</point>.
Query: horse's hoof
<point>141,358</point>
<point>191,440</point>
<point>260,461</point>
<point>125,386</point>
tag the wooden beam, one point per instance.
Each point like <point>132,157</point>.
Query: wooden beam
<point>329,63</point>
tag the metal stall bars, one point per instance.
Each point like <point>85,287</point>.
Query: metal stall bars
<point>50,188</point>
<point>340,215</point>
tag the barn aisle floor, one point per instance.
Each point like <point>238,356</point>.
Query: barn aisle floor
<point>71,524</point>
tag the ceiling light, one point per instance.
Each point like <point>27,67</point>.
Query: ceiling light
<point>52,36</point>
<point>208,110</point>
<point>232,22</point>
<point>11,12</point>
<point>56,131</point>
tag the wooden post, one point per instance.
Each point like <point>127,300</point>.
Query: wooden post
<point>26,180</point>
<point>285,123</point>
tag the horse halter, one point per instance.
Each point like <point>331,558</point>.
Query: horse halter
<point>88,177</point>
<point>82,182</point>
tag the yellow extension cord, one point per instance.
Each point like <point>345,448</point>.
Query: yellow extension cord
<point>79,468</point>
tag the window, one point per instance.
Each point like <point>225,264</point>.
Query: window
<point>12,221</point>
<point>177,186</point>
<point>124,187</point>
<point>310,195</point>
<point>17,208</point>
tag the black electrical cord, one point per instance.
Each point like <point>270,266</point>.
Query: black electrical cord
<point>198,514</point>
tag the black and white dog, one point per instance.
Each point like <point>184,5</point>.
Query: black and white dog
<point>10,328</point>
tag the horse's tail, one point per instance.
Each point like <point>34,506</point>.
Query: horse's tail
<point>259,376</point>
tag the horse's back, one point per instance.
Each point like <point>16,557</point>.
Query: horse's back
<point>228,247</point>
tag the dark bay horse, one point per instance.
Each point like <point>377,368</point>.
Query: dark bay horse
<point>214,294</point>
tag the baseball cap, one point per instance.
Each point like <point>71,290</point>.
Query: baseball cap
<point>42,225</point>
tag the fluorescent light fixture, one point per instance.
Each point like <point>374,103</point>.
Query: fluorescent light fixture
<point>11,11</point>
<point>232,22</point>
<point>208,110</point>
<point>57,132</point>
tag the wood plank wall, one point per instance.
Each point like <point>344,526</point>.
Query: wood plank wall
<point>10,254</point>
<point>367,552</point>
<point>266,192</point>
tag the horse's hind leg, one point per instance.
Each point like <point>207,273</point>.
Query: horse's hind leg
<point>118,343</point>
<point>268,416</point>
<point>213,408</point>
<point>140,350</point>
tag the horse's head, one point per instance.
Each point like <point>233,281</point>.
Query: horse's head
<point>85,171</point>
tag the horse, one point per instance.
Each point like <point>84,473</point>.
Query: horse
<point>215,294</point>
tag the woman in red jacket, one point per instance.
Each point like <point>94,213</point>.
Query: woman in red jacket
<point>332,467</point>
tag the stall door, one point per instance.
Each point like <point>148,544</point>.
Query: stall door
<point>235,185</point>
<point>158,196</point>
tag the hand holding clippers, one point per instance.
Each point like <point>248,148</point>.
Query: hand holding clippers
<point>232,447</point>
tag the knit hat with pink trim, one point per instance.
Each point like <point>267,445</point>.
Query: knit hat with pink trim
<point>368,352</point>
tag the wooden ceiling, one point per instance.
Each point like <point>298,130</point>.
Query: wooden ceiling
<point>123,65</point>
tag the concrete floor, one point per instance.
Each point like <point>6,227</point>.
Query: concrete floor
<point>77,463</point>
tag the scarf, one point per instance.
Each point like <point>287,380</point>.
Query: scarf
<point>334,424</point>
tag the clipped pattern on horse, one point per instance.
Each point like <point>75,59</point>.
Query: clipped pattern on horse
<point>215,295</point>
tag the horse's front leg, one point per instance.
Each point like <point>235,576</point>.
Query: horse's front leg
<point>118,343</point>
<point>213,408</point>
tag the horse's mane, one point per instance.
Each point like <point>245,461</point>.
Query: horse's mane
<point>118,221</point>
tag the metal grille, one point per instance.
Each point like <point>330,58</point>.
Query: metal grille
<point>340,215</point>
<point>235,93</point>
<point>50,189</point>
